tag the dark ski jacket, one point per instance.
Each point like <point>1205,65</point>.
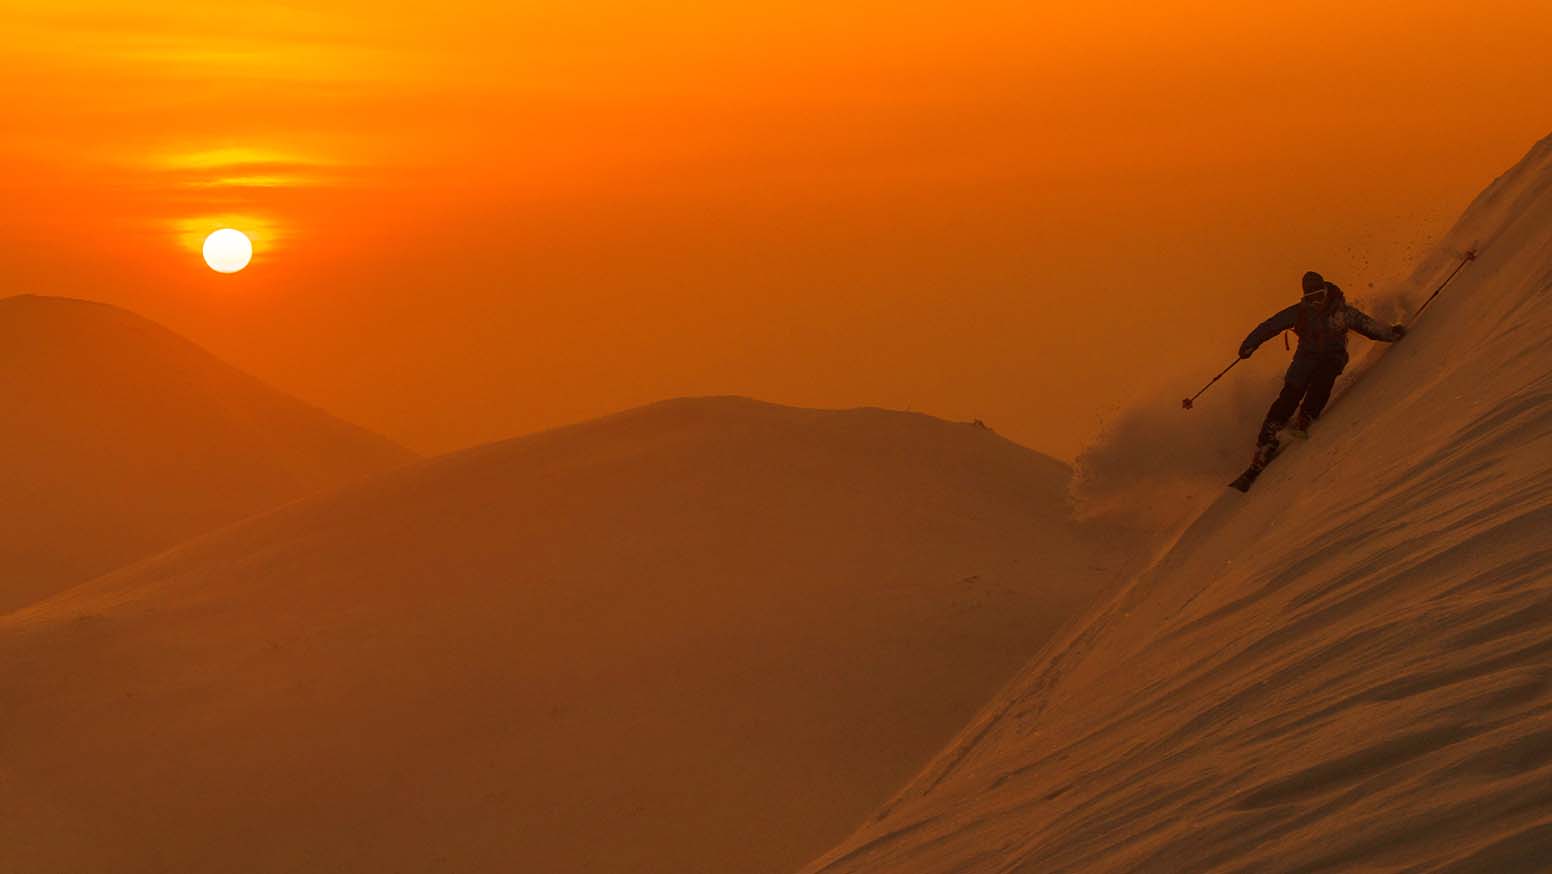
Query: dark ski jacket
<point>1321,329</point>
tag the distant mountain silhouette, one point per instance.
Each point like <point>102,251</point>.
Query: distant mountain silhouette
<point>703,636</point>
<point>120,438</point>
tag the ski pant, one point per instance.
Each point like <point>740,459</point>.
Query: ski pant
<point>1308,380</point>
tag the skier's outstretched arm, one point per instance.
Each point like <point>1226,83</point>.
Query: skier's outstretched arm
<point>1365,324</point>
<point>1268,329</point>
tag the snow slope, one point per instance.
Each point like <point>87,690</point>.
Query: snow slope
<point>707,635</point>
<point>1349,669</point>
<point>120,438</point>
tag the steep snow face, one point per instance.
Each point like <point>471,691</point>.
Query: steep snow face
<point>119,438</point>
<point>708,635</point>
<point>1348,669</point>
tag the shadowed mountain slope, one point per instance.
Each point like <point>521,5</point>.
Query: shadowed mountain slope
<point>1348,669</point>
<point>703,636</point>
<point>120,438</point>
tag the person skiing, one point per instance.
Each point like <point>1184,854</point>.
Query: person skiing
<point>1321,319</point>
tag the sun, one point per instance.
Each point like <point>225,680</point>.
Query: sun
<point>228,250</point>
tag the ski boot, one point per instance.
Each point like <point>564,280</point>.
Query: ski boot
<point>1258,462</point>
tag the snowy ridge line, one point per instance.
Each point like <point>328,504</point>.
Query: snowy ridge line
<point>1347,669</point>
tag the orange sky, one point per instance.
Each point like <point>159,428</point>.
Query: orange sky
<point>473,222</point>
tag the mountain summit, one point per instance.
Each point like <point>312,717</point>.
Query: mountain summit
<point>702,636</point>
<point>121,438</point>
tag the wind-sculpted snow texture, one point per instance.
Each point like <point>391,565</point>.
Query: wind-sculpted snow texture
<point>1349,669</point>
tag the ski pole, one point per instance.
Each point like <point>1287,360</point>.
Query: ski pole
<point>1471,255</point>
<point>1187,402</point>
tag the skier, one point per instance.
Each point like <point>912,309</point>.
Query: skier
<point>1321,320</point>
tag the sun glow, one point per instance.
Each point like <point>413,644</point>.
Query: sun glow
<point>228,250</point>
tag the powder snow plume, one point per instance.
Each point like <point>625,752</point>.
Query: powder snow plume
<point>1156,466</point>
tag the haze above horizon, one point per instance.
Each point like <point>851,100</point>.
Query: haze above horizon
<point>479,222</point>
